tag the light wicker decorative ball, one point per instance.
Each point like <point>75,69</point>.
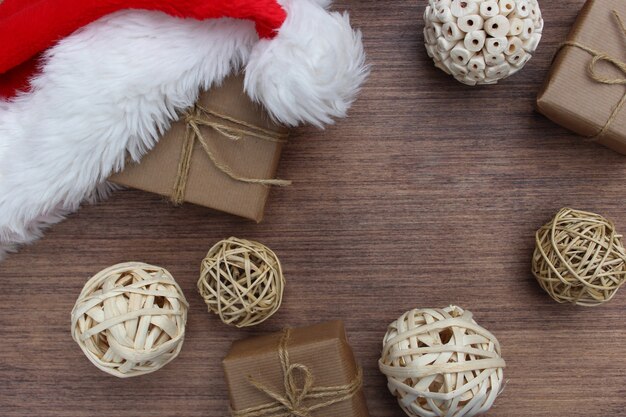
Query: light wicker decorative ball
<point>482,41</point>
<point>439,362</point>
<point>579,258</point>
<point>241,281</point>
<point>129,319</point>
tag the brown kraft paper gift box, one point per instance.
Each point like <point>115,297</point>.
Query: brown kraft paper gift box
<point>589,99</point>
<point>244,148</point>
<point>322,349</point>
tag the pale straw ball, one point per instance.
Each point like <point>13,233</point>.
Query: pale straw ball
<point>129,319</point>
<point>242,282</point>
<point>579,258</point>
<point>440,362</point>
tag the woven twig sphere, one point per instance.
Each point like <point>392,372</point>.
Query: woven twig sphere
<point>439,362</point>
<point>241,281</point>
<point>579,258</point>
<point>130,319</point>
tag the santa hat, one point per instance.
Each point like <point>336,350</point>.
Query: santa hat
<point>118,78</point>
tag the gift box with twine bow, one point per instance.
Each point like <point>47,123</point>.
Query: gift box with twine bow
<point>304,372</point>
<point>222,153</point>
<point>586,88</point>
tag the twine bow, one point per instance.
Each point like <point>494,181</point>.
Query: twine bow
<point>234,130</point>
<point>591,70</point>
<point>298,401</point>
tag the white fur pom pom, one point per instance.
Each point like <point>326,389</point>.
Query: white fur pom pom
<point>312,71</point>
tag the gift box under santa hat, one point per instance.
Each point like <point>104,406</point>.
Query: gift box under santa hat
<point>91,83</point>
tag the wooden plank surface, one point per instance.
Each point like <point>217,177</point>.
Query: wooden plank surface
<point>429,194</point>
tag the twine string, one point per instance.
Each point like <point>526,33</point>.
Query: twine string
<point>236,130</point>
<point>295,402</point>
<point>598,57</point>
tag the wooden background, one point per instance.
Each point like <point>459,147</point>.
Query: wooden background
<point>429,194</point>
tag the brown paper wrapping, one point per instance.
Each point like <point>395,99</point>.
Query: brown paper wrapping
<point>569,96</point>
<point>207,185</point>
<point>323,348</point>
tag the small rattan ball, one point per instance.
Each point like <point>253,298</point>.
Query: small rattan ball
<point>482,41</point>
<point>242,282</point>
<point>579,258</point>
<point>130,319</point>
<point>439,362</point>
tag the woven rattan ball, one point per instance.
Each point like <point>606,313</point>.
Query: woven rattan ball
<point>439,362</point>
<point>241,281</point>
<point>130,319</point>
<point>579,258</point>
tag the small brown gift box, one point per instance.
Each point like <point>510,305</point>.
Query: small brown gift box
<point>585,90</point>
<point>232,172</point>
<point>260,368</point>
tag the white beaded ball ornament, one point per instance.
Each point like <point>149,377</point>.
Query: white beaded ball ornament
<point>440,362</point>
<point>129,320</point>
<point>482,41</point>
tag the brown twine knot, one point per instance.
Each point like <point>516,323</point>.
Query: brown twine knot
<point>235,130</point>
<point>241,281</point>
<point>298,401</point>
<point>579,258</point>
<point>598,57</point>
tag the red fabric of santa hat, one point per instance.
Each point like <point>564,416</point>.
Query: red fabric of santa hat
<point>28,27</point>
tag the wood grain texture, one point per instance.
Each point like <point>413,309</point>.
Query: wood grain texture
<point>429,194</point>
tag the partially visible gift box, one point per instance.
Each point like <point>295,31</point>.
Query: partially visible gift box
<point>222,154</point>
<point>302,372</point>
<point>585,89</point>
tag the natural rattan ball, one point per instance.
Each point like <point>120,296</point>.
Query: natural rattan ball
<point>579,258</point>
<point>130,319</point>
<point>241,281</point>
<point>439,362</point>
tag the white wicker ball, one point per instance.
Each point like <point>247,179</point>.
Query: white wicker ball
<point>440,362</point>
<point>482,41</point>
<point>129,319</point>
